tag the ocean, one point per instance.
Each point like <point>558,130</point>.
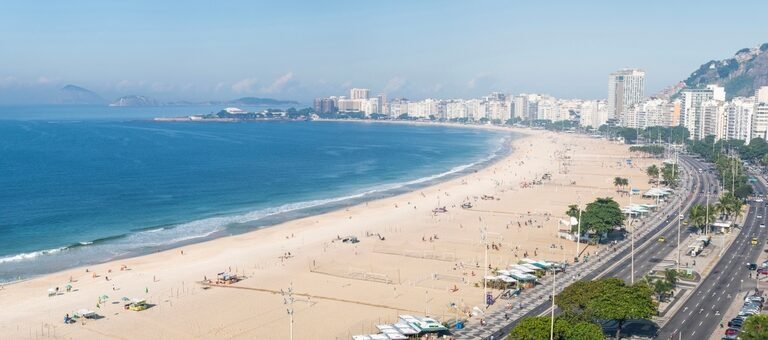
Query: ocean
<point>82,189</point>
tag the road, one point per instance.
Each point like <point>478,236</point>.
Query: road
<point>647,249</point>
<point>699,317</point>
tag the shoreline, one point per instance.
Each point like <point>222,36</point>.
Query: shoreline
<point>334,300</point>
<point>360,196</point>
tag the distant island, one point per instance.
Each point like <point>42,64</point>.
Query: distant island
<point>136,101</point>
<point>76,95</point>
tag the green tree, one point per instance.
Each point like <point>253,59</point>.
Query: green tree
<point>669,175</point>
<point>601,216</point>
<point>617,182</point>
<point>607,299</point>
<point>622,303</point>
<point>573,211</point>
<point>653,173</point>
<point>755,328</point>
<point>538,327</point>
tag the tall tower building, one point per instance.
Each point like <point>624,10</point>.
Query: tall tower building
<point>626,87</point>
<point>359,93</point>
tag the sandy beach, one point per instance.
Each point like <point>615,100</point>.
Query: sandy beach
<point>409,260</point>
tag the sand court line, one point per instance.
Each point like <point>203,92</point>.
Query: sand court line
<point>318,297</point>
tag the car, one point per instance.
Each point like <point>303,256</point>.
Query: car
<point>736,323</point>
<point>762,225</point>
<point>762,271</point>
<point>754,241</point>
<point>751,266</point>
<point>731,333</point>
<point>746,313</point>
<point>662,239</point>
<point>759,216</point>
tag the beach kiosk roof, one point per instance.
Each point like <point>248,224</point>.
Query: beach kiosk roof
<point>405,328</point>
<point>531,266</point>
<point>424,325</point>
<point>506,279</point>
<point>521,268</point>
<point>391,332</point>
<point>522,276</point>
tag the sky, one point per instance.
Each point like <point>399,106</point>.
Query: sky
<point>206,50</point>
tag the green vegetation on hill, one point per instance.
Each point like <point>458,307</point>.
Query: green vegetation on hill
<point>740,75</point>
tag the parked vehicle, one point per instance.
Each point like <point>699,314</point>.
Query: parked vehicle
<point>751,266</point>
<point>731,333</point>
<point>736,323</point>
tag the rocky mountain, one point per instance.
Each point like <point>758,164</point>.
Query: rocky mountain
<point>72,94</point>
<point>740,75</point>
<point>134,100</point>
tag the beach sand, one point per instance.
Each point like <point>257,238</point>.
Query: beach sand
<point>341,289</point>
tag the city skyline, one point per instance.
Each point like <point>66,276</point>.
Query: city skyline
<point>242,49</point>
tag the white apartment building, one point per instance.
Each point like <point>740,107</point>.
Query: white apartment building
<point>713,121</point>
<point>520,107</point>
<point>738,121</point>
<point>692,114</point>
<point>760,113</point>
<point>359,93</point>
<point>626,87</point>
<point>593,113</point>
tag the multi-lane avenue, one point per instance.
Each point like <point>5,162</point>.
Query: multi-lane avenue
<point>700,316</point>
<point>647,249</point>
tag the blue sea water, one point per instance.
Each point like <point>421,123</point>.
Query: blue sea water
<point>76,192</point>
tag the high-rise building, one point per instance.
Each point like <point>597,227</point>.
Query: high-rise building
<point>760,114</point>
<point>520,107</point>
<point>325,105</point>
<point>738,114</point>
<point>700,122</point>
<point>359,93</point>
<point>626,87</point>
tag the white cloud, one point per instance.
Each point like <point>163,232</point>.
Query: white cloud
<point>279,84</point>
<point>244,86</point>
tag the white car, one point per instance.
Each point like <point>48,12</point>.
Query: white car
<point>762,225</point>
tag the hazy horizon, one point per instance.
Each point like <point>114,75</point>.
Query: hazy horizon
<point>297,51</point>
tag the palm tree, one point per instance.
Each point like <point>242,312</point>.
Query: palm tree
<point>617,182</point>
<point>653,173</point>
<point>697,215</point>
<point>670,275</point>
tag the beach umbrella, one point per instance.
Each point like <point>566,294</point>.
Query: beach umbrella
<point>104,297</point>
<point>125,298</point>
<point>68,286</point>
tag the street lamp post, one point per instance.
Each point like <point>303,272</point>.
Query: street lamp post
<point>578,230</point>
<point>484,239</point>
<point>631,219</point>
<point>552,317</point>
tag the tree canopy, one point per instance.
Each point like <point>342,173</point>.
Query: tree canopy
<point>755,327</point>
<point>535,328</point>
<point>608,299</point>
<point>601,216</point>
